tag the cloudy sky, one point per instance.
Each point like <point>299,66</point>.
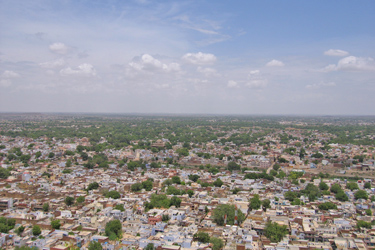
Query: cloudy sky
<point>216,57</point>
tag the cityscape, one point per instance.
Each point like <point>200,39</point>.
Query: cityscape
<point>71,181</point>
<point>187,125</point>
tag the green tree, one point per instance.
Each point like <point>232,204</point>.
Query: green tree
<point>25,248</point>
<point>38,154</point>
<point>4,173</point>
<point>341,196</point>
<point>175,201</point>
<point>120,207</point>
<point>352,185</point>
<point>68,163</point>
<point>69,200</point>
<point>213,170</point>
<point>236,190</point>
<point>167,182</point>
<point>165,217</point>
<point>282,160</point>
<point>229,210</point>
<point>150,246</point>
<point>182,152</point>
<point>45,207</point>
<point>46,174</point>
<point>368,212</point>
<point>302,153</point>
<point>11,223</point>
<point>113,229</point>
<point>36,230</point>
<point>94,245</point>
<point>233,166</point>
<point>147,185</point>
<point>25,158</point>
<point>67,171</point>
<point>113,194</point>
<point>290,195</point>
<point>154,165</point>
<point>266,204</point>
<point>276,167</point>
<point>11,157</point>
<point>217,243</point>
<point>81,199</point>
<point>55,224</point>
<point>202,237</point>
<point>335,188</point>
<point>93,185</point>
<point>6,224</point>
<point>255,203</point>
<point>361,194</point>
<point>80,148</point>
<point>218,182</point>
<point>367,185</point>
<point>281,174</point>
<point>317,155</point>
<point>296,202</point>
<point>173,190</point>
<point>194,177</point>
<point>274,232</point>
<point>51,155</point>
<point>20,230</point>
<point>327,206</point>
<point>84,156</point>
<point>323,186</point>
<point>273,172</point>
<point>4,228</point>
<point>364,224</point>
<point>136,187</point>
<point>176,180</point>
<point>190,193</point>
<point>311,191</point>
<point>69,152</point>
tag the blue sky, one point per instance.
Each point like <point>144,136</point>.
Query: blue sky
<point>241,57</point>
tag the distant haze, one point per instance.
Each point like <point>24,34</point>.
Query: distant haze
<point>188,57</point>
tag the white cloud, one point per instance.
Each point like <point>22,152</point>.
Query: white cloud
<point>275,63</point>
<point>256,80</point>
<point>5,82</point>
<point>257,83</point>
<point>254,72</point>
<point>147,62</point>
<point>336,52</point>
<point>82,70</point>
<point>6,77</point>
<point>199,58</point>
<point>320,85</point>
<point>352,63</point>
<point>207,71</point>
<point>232,84</point>
<point>53,64</point>
<point>329,68</point>
<point>59,48</point>
<point>10,74</point>
<point>162,86</point>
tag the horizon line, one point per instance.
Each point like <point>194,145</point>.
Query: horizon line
<point>181,114</point>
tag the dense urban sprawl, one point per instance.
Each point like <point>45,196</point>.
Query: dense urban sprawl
<point>172,183</point>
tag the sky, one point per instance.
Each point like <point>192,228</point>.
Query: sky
<point>188,57</point>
